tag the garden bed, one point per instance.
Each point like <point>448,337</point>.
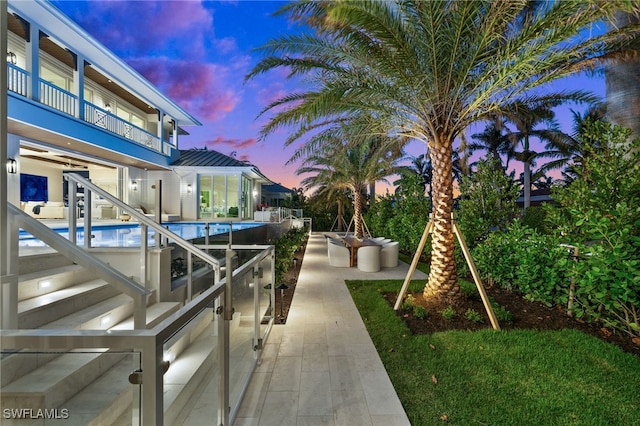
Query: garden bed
<point>525,315</point>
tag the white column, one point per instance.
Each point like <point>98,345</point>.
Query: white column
<point>32,51</point>
<point>78,86</point>
<point>8,233</point>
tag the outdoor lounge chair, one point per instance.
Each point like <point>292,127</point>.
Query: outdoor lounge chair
<point>389,254</point>
<point>369,258</point>
<point>339,255</point>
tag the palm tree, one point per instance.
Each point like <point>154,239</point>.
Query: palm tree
<point>427,70</point>
<point>527,120</point>
<point>349,166</point>
<point>492,140</point>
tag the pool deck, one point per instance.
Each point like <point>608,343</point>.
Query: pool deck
<point>321,367</point>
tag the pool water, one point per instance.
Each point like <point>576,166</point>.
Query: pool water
<point>128,235</point>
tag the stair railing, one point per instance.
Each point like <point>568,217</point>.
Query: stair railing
<point>85,259</point>
<point>76,181</point>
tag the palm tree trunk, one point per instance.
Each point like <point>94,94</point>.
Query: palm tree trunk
<point>340,215</point>
<point>527,173</point>
<point>527,184</point>
<point>443,278</point>
<point>357,213</point>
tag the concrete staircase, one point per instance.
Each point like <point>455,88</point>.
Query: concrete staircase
<point>93,384</point>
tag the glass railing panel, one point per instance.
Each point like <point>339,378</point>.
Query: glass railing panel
<point>77,387</point>
<point>192,382</point>
<point>242,336</point>
<point>265,306</point>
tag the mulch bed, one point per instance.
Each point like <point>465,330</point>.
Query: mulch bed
<point>525,315</point>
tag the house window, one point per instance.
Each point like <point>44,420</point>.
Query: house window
<point>55,78</point>
<point>219,196</point>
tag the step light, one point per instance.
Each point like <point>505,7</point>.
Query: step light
<point>44,284</point>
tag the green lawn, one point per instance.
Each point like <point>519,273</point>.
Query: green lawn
<point>489,377</point>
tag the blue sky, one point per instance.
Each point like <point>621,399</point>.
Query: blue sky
<point>198,52</point>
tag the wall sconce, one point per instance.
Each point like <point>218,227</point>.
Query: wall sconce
<point>189,189</point>
<point>107,107</point>
<point>12,58</point>
<point>134,185</point>
<point>12,166</point>
<point>255,193</point>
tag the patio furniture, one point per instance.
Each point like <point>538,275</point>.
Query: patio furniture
<point>355,243</point>
<point>369,258</point>
<point>338,254</point>
<point>389,255</point>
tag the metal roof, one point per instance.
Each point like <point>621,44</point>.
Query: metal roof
<point>198,158</point>
<point>207,158</point>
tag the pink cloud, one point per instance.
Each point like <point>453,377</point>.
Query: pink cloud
<point>235,143</point>
<point>197,87</point>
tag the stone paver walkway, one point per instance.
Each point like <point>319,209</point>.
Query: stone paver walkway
<point>321,367</point>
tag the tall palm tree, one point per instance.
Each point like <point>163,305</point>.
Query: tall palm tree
<point>537,121</point>
<point>427,70</point>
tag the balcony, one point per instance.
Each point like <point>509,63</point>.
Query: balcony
<point>18,81</point>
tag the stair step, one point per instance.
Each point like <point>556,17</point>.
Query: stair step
<point>47,281</point>
<point>57,381</point>
<point>90,318</point>
<point>40,310</point>
<point>105,401</point>
<point>155,314</point>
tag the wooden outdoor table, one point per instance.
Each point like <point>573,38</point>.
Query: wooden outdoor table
<point>354,244</point>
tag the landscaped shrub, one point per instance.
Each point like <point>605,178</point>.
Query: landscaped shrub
<point>534,217</point>
<point>521,259</point>
<point>600,213</point>
<point>285,246</point>
<point>402,219</point>
<point>488,201</point>
<point>448,313</point>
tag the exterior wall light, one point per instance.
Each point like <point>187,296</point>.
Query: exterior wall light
<point>12,58</point>
<point>12,166</point>
<point>189,189</point>
<point>134,185</point>
<point>107,107</point>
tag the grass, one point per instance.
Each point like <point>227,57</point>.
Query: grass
<point>492,377</point>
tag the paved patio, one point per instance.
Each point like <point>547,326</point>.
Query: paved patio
<point>321,367</point>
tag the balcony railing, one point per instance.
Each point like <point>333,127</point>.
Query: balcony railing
<point>61,100</point>
<point>58,98</point>
<point>17,80</point>
<point>114,124</point>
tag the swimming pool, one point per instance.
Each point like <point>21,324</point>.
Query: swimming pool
<point>128,235</point>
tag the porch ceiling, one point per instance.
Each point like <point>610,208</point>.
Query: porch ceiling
<point>73,145</point>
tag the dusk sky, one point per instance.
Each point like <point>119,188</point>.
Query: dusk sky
<point>198,53</point>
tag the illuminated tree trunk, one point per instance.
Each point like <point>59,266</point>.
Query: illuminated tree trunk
<point>357,213</point>
<point>443,278</point>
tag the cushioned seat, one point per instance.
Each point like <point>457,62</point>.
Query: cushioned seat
<point>339,255</point>
<point>369,258</point>
<point>389,254</point>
